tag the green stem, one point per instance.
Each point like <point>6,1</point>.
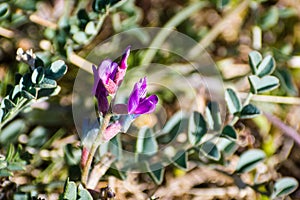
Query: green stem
<point>246,102</point>
<point>218,29</point>
<point>96,144</point>
<point>21,106</point>
<point>163,34</point>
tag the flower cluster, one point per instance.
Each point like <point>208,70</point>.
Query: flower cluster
<point>108,77</point>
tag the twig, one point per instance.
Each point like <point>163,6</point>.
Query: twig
<point>273,99</point>
<point>289,131</point>
<point>6,33</point>
<point>99,170</point>
<point>38,20</point>
<point>246,102</point>
<point>96,144</point>
<point>80,62</point>
<point>216,30</point>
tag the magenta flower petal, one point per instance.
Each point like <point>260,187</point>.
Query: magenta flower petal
<point>148,105</point>
<point>123,63</point>
<point>107,78</point>
<point>133,101</point>
<point>107,70</point>
<point>111,87</point>
<point>96,80</point>
<point>122,67</point>
<point>142,87</point>
<point>138,103</point>
<point>101,95</point>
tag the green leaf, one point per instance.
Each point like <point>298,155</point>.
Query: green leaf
<point>83,194</point>
<point>197,128</point>
<point>210,150</point>
<point>27,95</point>
<point>101,5</point>
<point>83,18</point>
<point>90,28</point>
<point>25,81</point>
<point>222,3</point>
<point>7,103</point>
<point>286,81</point>
<point>226,146</point>
<point>265,84</point>
<point>80,37</point>
<point>11,132</point>
<point>229,132</point>
<point>284,187</point>
<point>47,84</point>
<point>156,172</point>
<point>16,166</point>
<point>249,160</point>
<point>254,59</point>
<point>180,159</point>
<point>146,142</point>
<point>115,146</point>
<point>213,116</point>
<point>270,19</point>
<point>17,78</point>
<point>70,190</point>
<point>16,93</point>
<point>47,92</point>
<point>37,137</point>
<point>10,153</point>
<point>38,75</point>
<point>175,125</point>
<point>21,196</point>
<point>287,12</point>
<point>5,173</point>
<point>38,62</point>
<point>56,70</point>
<point>233,102</point>
<point>2,114</point>
<point>4,10</point>
<point>116,172</point>
<point>266,67</point>
<point>3,164</point>
<point>249,111</point>
<point>26,4</point>
<point>72,155</point>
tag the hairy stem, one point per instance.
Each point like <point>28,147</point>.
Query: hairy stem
<point>273,99</point>
<point>96,144</point>
<point>99,170</point>
<point>7,33</point>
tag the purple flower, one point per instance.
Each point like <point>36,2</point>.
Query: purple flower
<point>138,103</point>
<point>107,78</point>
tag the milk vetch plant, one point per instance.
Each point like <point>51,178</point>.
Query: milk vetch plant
<point>114,118</point>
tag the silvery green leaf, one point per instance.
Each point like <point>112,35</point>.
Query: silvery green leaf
<point>233,102</point>
<point>249,160</point>
<point>197,128</point>
<point>284,187</point>
<point>265,84</point>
